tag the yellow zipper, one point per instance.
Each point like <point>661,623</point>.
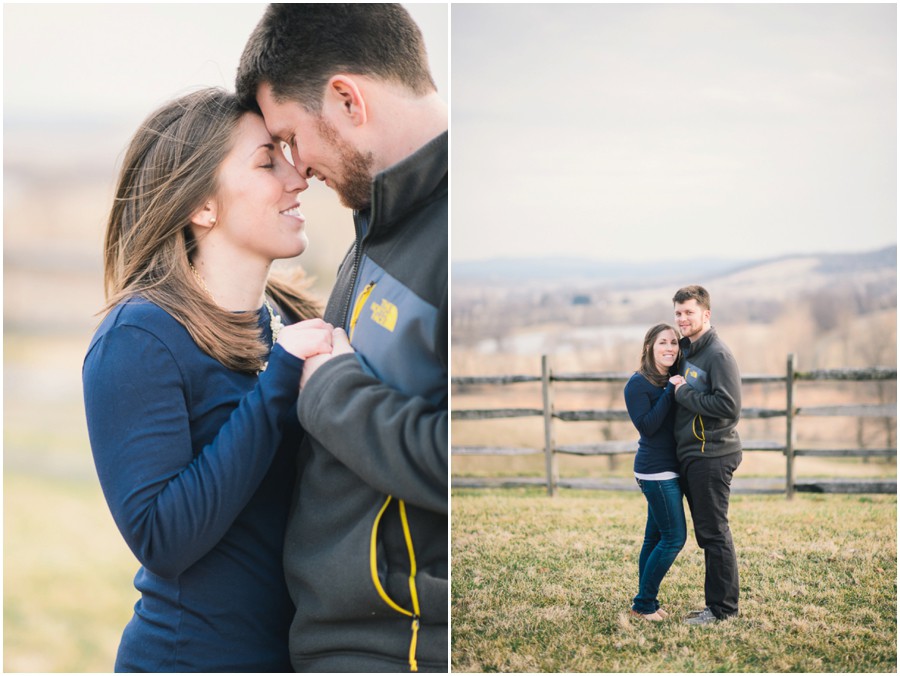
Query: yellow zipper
<point>360,304</point>
<point>373,566</point>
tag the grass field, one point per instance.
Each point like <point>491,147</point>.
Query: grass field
<point>67,576</point>
<point>545,585</point>
<point>67,573</point>
<point>538,584</point>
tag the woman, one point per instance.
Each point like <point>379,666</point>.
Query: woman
<point>190,384</point>
<point>650,399</point>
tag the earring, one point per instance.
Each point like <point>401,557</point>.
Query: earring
<point>212,221</point>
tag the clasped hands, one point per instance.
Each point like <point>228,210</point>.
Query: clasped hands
<point>677,381</point>
<point>315,341</point>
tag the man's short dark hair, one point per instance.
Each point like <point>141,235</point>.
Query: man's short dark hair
<point>695,292</point>
<point>297,47</point>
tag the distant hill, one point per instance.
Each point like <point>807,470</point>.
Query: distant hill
<point>562,269</point>
<point>499,296</point>
<point>880,259</point>
<point>618,275</point>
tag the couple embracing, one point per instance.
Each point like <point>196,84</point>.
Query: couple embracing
<point>685,402</point>
<point>281,476</point>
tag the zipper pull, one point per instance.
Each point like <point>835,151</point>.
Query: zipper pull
<point>358,307</point>
<point>413,665</point>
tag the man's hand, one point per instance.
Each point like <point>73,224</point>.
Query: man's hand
<point>341,345</point>
<point>677,381</point>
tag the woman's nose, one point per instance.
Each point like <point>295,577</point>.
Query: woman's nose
<point>295,181</point>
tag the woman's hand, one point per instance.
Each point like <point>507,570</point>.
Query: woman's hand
<point>307,338</point>
<point>677,381</point>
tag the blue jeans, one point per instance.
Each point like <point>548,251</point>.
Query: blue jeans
<point>664,536</point>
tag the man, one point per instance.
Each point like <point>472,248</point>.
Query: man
<point>708,446</point>
<point>348,88</point>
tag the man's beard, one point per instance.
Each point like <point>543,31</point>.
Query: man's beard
<point>354,188</point>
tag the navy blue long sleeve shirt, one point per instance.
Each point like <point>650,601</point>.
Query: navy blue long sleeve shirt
<point>652,410</point>
<point>197,464</point>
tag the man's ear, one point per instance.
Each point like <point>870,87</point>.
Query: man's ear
<point>345,100</point>
<point>205,216</point>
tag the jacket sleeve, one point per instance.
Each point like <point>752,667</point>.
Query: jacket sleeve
<point>724,397</point>
<point>173,503</point>
<point>395,443</point>
<point>647,417</point>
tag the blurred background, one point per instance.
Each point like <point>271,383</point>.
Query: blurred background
<point>77,81</point>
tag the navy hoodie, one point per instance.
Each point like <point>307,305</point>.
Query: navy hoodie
<point>196,463</point>
<point>652,410</point>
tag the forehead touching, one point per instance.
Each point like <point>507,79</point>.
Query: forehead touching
<point>282,116</point>
<point>250,135</point>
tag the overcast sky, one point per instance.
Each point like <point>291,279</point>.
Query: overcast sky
<point>609,131</point>
<point>646,132</point>
<point>90,60</point>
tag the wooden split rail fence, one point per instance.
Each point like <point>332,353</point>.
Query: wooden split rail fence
<point>788,447</point>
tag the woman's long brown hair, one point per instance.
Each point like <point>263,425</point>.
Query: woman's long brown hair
<point>169,171</point>
<point>648,367</point>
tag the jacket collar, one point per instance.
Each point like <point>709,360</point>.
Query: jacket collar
<point>405,186</point>
<point>689,348</point>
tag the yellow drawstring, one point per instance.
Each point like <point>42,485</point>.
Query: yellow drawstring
<point>702,436</point>
<point>373,566</point>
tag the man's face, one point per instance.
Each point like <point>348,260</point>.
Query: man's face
<point>317,149</point>
<point>691,318</point>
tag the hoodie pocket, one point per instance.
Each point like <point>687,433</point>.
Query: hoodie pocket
<point>699,431</point>
<point>414,612</point>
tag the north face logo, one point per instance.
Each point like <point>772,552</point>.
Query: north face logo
<point>385,314</point>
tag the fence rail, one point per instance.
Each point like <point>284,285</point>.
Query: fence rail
<point>787,447</point>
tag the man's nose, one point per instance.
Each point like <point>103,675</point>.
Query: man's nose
<point>293,180</point>
<point>297,182</point>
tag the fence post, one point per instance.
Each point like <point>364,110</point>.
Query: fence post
<point>549,457</point>
<point>789,425</point>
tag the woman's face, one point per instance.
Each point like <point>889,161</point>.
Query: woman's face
<point>258,210</point>
<point>665,350</point>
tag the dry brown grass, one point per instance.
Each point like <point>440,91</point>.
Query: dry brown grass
<point>544,585</point>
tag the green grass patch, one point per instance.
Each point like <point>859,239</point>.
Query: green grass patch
<point>545,585</point>
<point>67,577</point>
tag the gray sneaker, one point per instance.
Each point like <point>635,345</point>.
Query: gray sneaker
<point>704,617</point>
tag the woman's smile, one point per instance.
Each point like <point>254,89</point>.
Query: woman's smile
<point>294,212</point>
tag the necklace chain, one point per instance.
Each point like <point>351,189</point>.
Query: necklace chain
<point>275,323</point>
<point>202,282</point>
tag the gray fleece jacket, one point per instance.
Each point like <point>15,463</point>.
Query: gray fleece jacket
<point>366,543</point>
<point>709,405</point>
